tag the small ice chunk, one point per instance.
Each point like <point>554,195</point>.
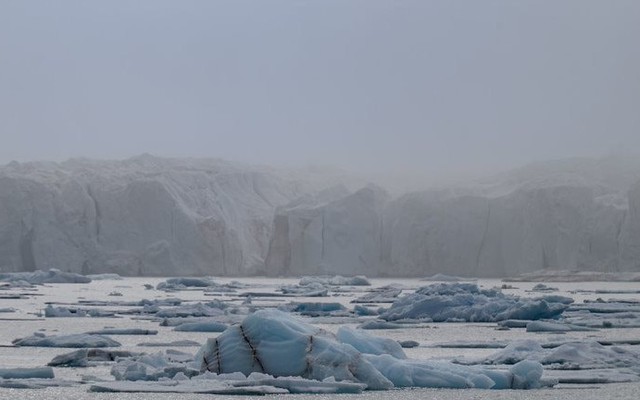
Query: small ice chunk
<point>547,326</point>
<point>40,277</point>
<point>336,280</point>
<point>123,331</point>
<point>83,357</point>
<point>176,343</point>
<point>204,326</point>
<point>183,283</point>
<point>26,373</point>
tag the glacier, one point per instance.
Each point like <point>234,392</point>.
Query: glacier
<point>159,216</point>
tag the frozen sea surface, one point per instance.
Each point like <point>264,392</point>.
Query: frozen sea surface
<point>437,340</point>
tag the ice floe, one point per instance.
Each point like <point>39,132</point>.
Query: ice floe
<point>73,341</point>
<point>336,280</point>
<point>40,277</point>
<point>467,302</point>
<point>26,373</point>
<point>87,357</point>
<point>203,326</point>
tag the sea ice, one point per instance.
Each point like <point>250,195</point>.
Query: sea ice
<point>318,309</point>
<point>184,283</point>
<point>380,324</point>
<point>175,343</point>
<point>383,295</point>
<point>336,280</point>
<point>123,331</point>
<point>210,309</point>
<point>571,355</point>
<point>26,373</point>
<point>40,277</point>
<point>86,357</point>
<point>73,341</point>
<point>547,326</point>
<point>204,326</point>
<point>467,302</point>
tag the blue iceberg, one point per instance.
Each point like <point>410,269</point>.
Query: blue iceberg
<point>466,302</point>
<point>275,343</point>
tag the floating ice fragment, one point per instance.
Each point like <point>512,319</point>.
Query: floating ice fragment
<point>205,326</point>
<point>26,373</point>
<point>336,280</point>
<point>467,302</point>
<point>123,331</point>
<point>40,277</point>
<point>547,326</point>
<point>85,357</point>
<point>73,341</point>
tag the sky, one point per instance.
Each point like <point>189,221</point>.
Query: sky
<point>430,88</point>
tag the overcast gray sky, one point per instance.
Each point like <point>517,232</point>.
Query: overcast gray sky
<point>435,87</point>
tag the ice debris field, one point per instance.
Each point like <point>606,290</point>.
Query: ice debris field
<point>67,333</point>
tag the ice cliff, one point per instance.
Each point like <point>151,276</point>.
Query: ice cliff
<point>158,216</point>
<point>581,214</point>
<point>145,215</point>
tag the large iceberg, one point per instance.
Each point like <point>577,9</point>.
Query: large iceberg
<point>275,343</point>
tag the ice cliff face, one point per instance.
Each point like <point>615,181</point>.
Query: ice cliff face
<point>143,216</point>
<point>155,216</point>
<point>573,214</point>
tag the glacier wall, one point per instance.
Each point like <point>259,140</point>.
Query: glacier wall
<point>157,216</point>
<point>143,216</point>
<point>570,215</point>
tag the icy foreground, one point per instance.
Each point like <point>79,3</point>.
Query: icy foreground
<point>155,216</point>
<point>278,342</point>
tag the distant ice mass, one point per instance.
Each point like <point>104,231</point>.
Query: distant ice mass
<point>185,217</point>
